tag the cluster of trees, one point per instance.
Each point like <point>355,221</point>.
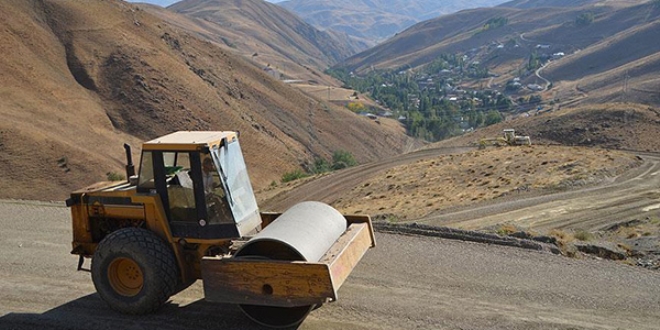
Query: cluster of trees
<point>494,23</point>
<point>424,101</point>
<point>534,62</point>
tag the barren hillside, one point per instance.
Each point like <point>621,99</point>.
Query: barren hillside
<point>79,79</point>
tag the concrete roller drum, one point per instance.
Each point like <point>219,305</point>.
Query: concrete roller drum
<point>305,232</point>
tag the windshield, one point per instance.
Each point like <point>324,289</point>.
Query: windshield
<point>239,190</point>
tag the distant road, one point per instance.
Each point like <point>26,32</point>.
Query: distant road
<point>538,74</point>
<point>406,282</point>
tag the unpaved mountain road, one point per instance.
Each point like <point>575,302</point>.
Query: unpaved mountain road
<point>406,282</point>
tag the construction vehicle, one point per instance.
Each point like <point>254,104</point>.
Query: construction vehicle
<point>516,140</point>
<point>509,138</point>
<point>191,214</point>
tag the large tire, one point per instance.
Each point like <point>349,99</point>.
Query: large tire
<point>134,271</point>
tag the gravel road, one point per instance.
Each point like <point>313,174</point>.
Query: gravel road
<point>406,282</point>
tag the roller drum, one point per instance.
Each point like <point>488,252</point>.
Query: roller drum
<point>305,232</point>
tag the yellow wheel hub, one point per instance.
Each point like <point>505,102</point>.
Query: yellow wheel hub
<point>125,277</point>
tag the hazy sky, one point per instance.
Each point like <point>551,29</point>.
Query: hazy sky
<point>165,3</point>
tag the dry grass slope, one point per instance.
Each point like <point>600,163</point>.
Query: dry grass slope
<point>263,32</point>
<point>79,79</point>
<point>416,190</point>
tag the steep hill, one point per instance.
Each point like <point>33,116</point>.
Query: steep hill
<point>619,67</point>
<point>77,79</point>
<point>268,35</point>
<point>272,25</point>
<point>375,20</point>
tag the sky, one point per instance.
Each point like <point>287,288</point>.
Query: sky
<point>165,3</point>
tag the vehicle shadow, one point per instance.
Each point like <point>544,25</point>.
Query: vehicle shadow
<point>91,313</point>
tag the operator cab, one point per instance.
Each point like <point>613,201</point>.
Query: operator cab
<point>203,183</point>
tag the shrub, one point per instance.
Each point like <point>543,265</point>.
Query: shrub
<point>356,106</point>
<point>114,176</point>
<point>293,175</point>
<point>506,229</point>
<point>321,166</point>
<point>584,19</point>
<point>342,159</point>
<point>583,235</point>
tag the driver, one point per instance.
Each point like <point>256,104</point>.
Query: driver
<point>207,174</point>
<point>218,210</point>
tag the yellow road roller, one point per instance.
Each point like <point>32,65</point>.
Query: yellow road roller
<point>190,213</point>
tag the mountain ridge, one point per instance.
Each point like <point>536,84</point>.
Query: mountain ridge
<point>375,20</point>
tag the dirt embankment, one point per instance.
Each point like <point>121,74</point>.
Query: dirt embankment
<point>415,190</point>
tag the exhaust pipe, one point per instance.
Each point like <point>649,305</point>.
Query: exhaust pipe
<point>130,168</point>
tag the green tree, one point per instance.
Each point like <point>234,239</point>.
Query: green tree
<point>534,62</point>
<point>535,99</point>
<point>584,19</point>
<point>493,117</point>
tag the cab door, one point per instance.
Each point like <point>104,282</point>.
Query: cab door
<point>177,177</point>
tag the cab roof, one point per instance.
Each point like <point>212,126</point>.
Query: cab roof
<point>189,140</point>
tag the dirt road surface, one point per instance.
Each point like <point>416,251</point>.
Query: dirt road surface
<point>406,282</point>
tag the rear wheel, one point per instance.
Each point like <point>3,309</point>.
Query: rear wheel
<point>134,271</point>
